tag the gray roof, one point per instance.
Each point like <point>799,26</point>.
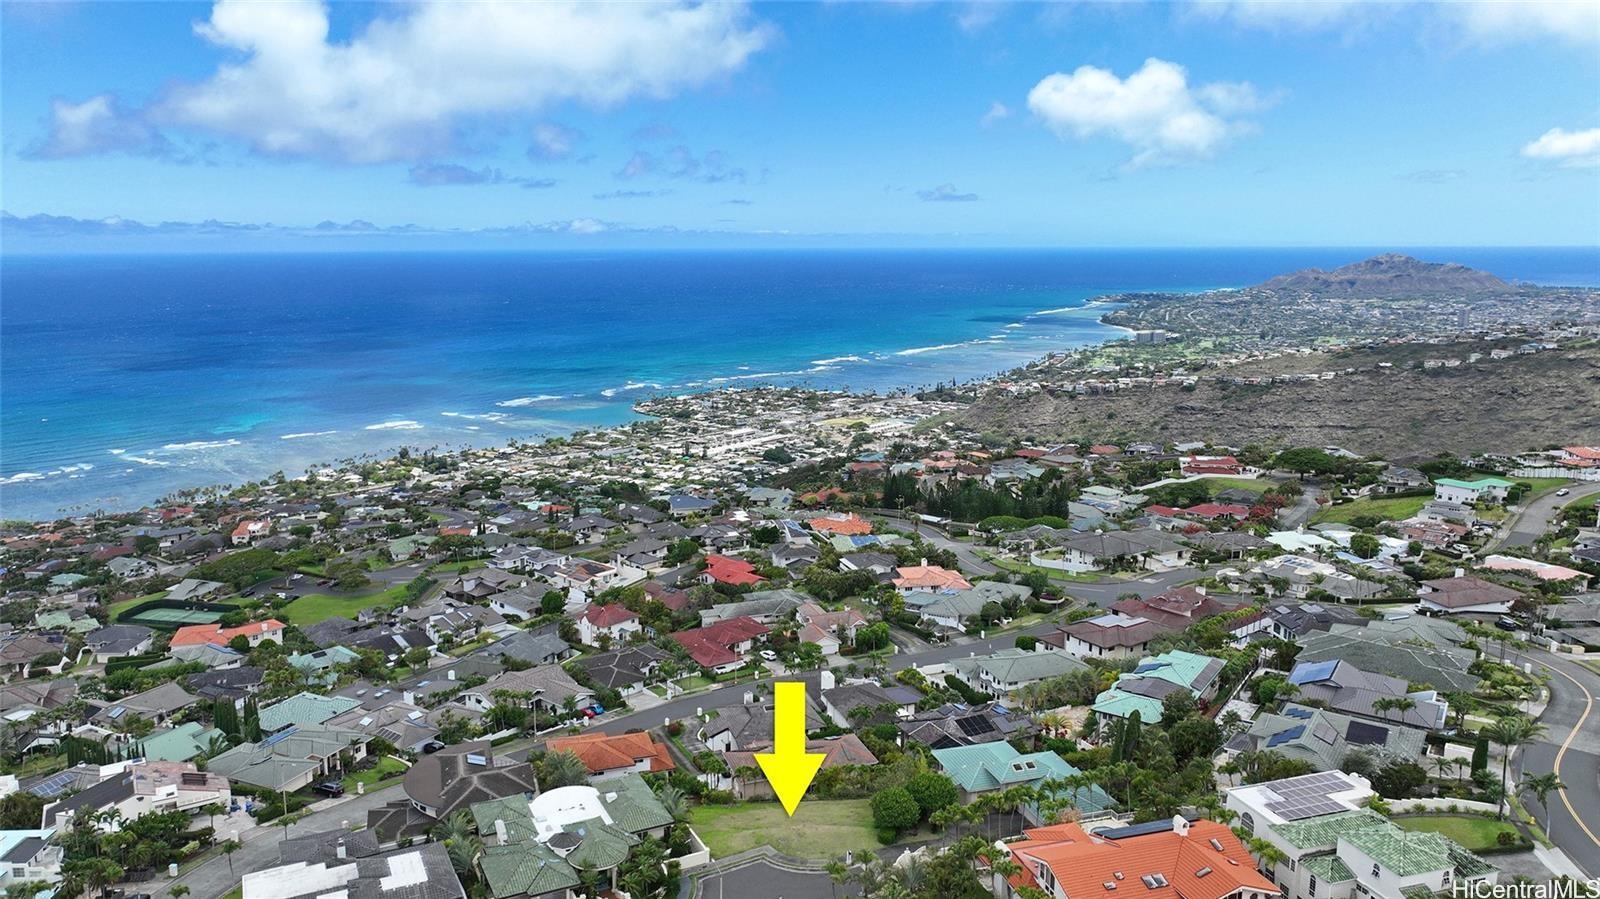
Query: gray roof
<point>775,603</point>
<point>527,646</point>
<point>622,667</point>
<point>117,638</point>
<point>1418,664</point>
<point>458,776</point>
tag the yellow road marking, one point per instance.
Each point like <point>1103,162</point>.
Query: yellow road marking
<point>1588,706</point>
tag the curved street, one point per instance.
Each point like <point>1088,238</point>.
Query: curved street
<point>1535,518</point>
<point>1572,749</point>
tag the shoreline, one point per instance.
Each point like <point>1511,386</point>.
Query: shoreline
<point>993,369</point>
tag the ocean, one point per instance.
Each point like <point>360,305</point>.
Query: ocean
<point>123,378</point>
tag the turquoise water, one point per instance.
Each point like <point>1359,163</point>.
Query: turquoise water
<point>124,378</point>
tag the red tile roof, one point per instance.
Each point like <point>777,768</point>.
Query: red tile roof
<point>713,644</point>
<point>735,572</point>
<point>607,616</point>
<point>1182,866</point>
<point>216,634</point>
<point>849,525</point>
<point>602,752</point>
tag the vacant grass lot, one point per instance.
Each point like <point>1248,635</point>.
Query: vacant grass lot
<point>316,607</point>
<point>819,829</point>
<point>1218,484</point>
<point>1471,831</point>
<point>1389,508</point>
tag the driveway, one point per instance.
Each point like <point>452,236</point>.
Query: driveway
<point>762,879</point>
<point>1536,516</point>
<point>1570,748</point>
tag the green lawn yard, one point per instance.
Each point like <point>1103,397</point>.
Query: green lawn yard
<point>316,607</point>
<point>385,769</point>
<point>1471,831</point>
<point>1389,508</point>
<point>820,829</point>
<point>1219,484</point>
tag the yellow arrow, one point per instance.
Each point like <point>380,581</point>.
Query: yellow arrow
<point>789,768</point>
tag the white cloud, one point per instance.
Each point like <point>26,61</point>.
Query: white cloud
<point>553,141</point>
<point>680,162</point>
<point>98,125</point>
<point>1477,21</point>
<point>946,193</point>
<point>1154,110</point>
<point>399,88</point>
<point>997,112</point>
<point>1500,21</point>
<point>1572,149</point>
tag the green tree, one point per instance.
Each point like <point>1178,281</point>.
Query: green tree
<point>1510,733</point>
<point>1365,545</point>
<point>932,792</point>
<point>1542,786</point>
<point>894,811</point>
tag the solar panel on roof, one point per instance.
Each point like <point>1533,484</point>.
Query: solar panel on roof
<point>975,725</point>
<point>477,760</point>
<point>1148,667</point>
<point>279,737</point>
<point>1284,736</point>
<point>1311,672</point>
<point>1298,713</point>
<point>53,786</point>
<point>1366,734</point>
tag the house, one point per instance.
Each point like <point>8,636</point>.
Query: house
<point>22,655</point>
<point>764,606</point>
<point>956,609</point>
<point>182,743</point>
<point>643,552</point>
<point>29,856</point>
<point>1544,571</point>
<point>684,506</point>
<point>1155,678</point>
<point>1341,686</point>
<point>134,789</point>
<point>835,751</point>
<point>1227,544</point>
<point>1399,479</point>
<point>536,647</point>
<point>723,646</point>
<point>1173,859</point>
<point>1324,739</point>
<point>748,727</point>
<point>339,869</point>
<point>1139,549</point>
<point>215,634</point>
<point>791,556</point>
<point>549,845</point>
<point>321,666</point>
<point>625,670</point>
<point>1176,609</point>
<point>155,705</point>
<point>730,571</point>
<point>776,499</point>
<point>547,688</point>
<point>852,704</point>
<point>227,683</point>
<point>925,578</point>
<point>456,777</point>
<point>484,584</point>
<point>130,568</point>
<point>1112,635</point>
<point>1336,848</point>
<point>1465,594</point>
<point>1003,673</point>
<point>586,528</point>
<point>1467,493</point>
<point>827,629</point>
<point>117,641</point>
<point>523,602</point>
<point>1210,466</point>
<point>1402,655</point>
<point>304,709</point>
<point>606,756</point>
<point>955,724</point>
<point>402,723</point>
<point>292,759</point>
<point>249,530</point>
<point>880,565</point>
<point>614,622</point>
<point>191,590</point>
<point>987,767</point>
<point>847,524</point>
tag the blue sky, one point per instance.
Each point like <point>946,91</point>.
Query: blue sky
<point>941,124</point>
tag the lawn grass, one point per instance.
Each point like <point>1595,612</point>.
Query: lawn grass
<point>385,769</point>
<point>1388,508</point>
<point>316,607</point>
<point>1218,484</point>
<point>123,605</point>
<point>693,682</point>
<point>1053,574</point>
<point>1471,831</point>
<point>820,829</point>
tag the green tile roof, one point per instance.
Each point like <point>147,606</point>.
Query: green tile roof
<point>991,766</point>
<point>604,847</point>
<point>180,744</point>
<point>1479,484</point>
<point>636,808</point>
<point>512,810</point>
<point>525,869</point>
<point>1325,830</point>
<point>304,708</point>
<point>1328,868</point>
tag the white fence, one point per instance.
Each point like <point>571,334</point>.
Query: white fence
<point>1558,471</point>
<point>1465,806</point>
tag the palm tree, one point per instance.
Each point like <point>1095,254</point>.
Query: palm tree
<point>563,769</point>
<point>1443,766</point>
<point>838,875</point>
<point>674,801</point>
<point>1383,705</point>
<point>228,849</point>
<point>1510,733</point>
<point>1270,856</point>
<point>1542,786</point>
<point>212,810</point>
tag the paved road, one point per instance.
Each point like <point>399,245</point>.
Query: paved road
<point>1536,516</point>
<point>1291,517</point>
<point>964,552</point>
<point>1572,749</point>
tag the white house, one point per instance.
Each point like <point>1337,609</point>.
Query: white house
<point>1466,493</point>
<point>614,622</point>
